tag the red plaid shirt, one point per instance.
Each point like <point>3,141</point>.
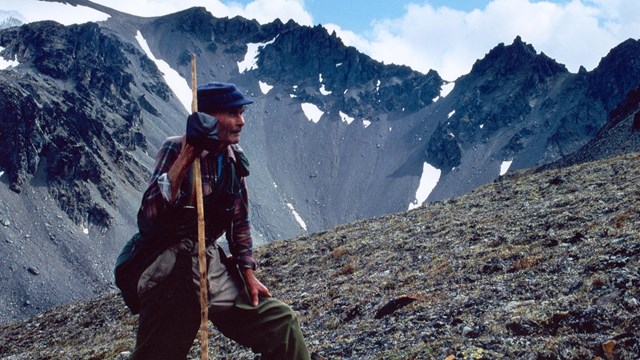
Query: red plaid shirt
<point>154,203</point>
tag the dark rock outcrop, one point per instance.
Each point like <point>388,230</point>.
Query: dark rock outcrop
<point>620,135</point>
<point>74,117</point>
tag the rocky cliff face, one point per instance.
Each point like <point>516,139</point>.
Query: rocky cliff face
<point>333,136</point>
<point>620,135</point>
<point>81,133</point>
<point>73,158</point>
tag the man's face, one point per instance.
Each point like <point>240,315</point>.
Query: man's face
<point>230,123</point>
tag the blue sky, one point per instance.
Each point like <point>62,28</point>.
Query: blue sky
<point>446,36</point>
<point>357,15</point>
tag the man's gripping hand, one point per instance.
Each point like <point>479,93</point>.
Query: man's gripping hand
<point>254,286</point>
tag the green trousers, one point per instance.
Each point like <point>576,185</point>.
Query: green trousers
<point>170,319</point>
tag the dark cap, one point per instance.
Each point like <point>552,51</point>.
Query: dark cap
<point>217,96</point>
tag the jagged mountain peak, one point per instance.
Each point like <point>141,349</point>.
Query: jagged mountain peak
<point>626,49</point>
<point>619,69</point>
<point>310,57</point>
<point>505,60</point>
<point>10,19</point>
<point>200,22</point>
<point>59,51</point>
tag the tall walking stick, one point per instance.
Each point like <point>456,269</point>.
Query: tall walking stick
<point>202,259</point>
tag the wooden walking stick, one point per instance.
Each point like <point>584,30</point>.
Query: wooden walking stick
<point>202,259</point>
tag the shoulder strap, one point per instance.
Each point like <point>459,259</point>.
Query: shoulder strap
<point>242,162</point>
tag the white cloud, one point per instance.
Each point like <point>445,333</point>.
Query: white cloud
<point>32,10</point>
<point>265,11</point>
<point>447,88</point>
<point>450,41</point>
<point>148,8</point>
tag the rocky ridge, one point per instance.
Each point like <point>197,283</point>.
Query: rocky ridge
<point>620,135</point>
<point>533,266</point>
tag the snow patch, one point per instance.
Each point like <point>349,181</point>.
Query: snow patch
<point>451,114</point>
<point>504,167</point>
<point>264,87</point>
<point>366,123</point>
<point>6,64</point>
<point>324,91</point>
<point>177,83</point>
<point>297,217</point>
<point>250,61</point>
<point>481,126</point>
<point>312,112</point>
<point>378,86</point>
<point>346,118</point>
<point>1,173</point>
<point>275,185</point>
<point>435,99</point>
<point>85,231</point>
<point>428,181</point>
<point>447,88</point>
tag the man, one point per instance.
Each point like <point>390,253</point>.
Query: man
<point>240,306</point>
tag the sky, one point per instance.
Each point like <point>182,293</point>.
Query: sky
<point>446,36</point>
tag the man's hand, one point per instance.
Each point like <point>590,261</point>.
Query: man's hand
<point>179,169</point>
<point>254,286</point>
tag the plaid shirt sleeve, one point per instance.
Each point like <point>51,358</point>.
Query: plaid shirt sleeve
<point>154,204</point>
<point>240,241</point>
